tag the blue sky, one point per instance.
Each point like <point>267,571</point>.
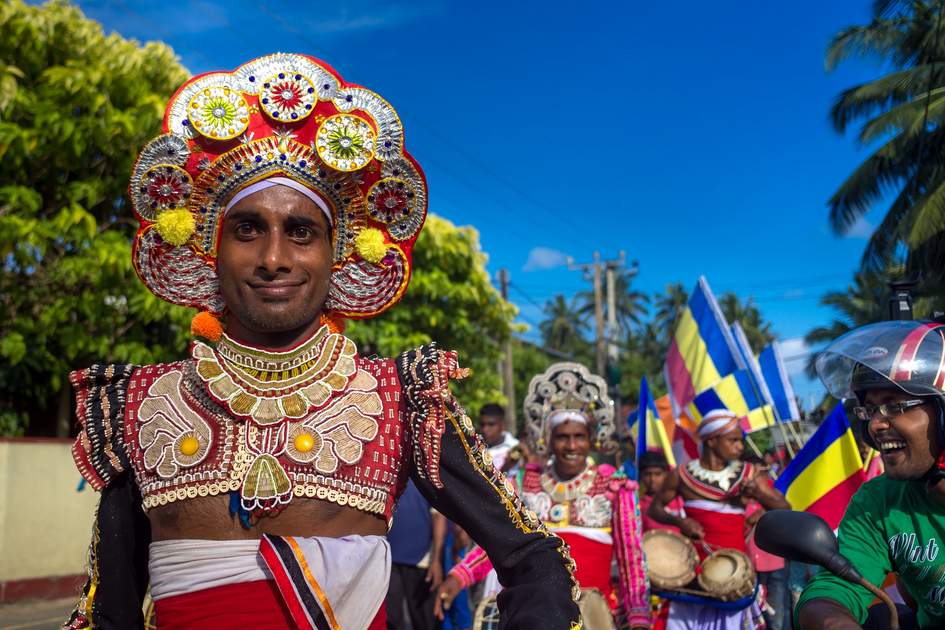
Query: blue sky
<point>692,135</point>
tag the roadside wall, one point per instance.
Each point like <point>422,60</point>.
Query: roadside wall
<point>45,520</point>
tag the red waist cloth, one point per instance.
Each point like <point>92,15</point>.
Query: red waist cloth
<point>721,529</point>
<point>256,605</point>
<point>593,561</point>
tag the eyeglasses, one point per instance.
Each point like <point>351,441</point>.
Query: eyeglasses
<point>889,410</point>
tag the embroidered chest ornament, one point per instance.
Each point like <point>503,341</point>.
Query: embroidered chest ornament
<point>289,116</point>
<point>309,403</point>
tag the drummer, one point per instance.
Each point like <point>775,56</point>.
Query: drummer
<point>654,468</point>
<point>592,507</point>
<point>715,489</point>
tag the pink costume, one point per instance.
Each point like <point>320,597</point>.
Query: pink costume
<point>597,513</point>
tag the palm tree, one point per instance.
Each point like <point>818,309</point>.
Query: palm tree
<point>861,303</point>
<point>757,330</point>
<point>669,306</point>
<point>563,325</point>
<point>631,306</point>
<point>903,111</point>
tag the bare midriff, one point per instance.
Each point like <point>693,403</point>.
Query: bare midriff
<point>209,518</point>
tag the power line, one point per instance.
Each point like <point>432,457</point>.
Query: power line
<point>527,297</point>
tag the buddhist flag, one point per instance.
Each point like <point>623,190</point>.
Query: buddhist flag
<point>685,444</point>
<point>736,393</point>
<point>648,429</point>
<point>777,382</point>
<point>702,350</point>
<point>754,369</point>
<point>826,472</point>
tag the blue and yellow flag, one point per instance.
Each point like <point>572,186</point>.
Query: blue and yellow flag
<point>736,393</point>
<point>648,429</point>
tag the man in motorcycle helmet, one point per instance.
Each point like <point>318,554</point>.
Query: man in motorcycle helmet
<point>895,523</point>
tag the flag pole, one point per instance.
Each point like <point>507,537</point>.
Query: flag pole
<point>754,447</point>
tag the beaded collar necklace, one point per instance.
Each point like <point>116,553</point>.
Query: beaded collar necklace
<point>269,387</point>
<point>571,489</point>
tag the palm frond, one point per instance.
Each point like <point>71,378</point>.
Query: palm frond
<point>880,174</point>
<point>882,38</point>
<point>907,117</point>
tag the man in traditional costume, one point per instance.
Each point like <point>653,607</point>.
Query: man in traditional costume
<point>715,489</point>
<point>251,484</point>
<point>568,412</point>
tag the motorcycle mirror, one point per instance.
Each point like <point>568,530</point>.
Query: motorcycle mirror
<point>803,537</point>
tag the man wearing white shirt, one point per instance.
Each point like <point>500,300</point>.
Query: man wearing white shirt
<point>498,441</point>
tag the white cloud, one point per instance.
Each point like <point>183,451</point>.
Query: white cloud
<point>541,258</point>
<point>795,352</point>
<point>861,228</point>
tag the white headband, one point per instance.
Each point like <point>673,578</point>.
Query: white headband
<point>280,181</point>
<point>716,422</point>
<point>562,416</point>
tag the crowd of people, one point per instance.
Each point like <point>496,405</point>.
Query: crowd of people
<point>276,478</point>
<point>606,534</point>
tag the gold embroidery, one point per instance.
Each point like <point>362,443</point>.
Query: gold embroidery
<point>340,430</point>
<point>270,387</point>
<point>169,429</point>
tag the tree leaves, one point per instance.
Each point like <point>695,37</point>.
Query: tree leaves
<point>75,106</point>
<point>450,300</point>
<point>904,109</point>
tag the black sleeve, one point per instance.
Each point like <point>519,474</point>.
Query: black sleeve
<point>117,563</point>
<point>454,472</point>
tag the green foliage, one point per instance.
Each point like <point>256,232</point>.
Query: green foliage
<point>864,301</point>
<point>565,328</point>
<point>75,105</point>
<point>450,300</point>
<point>903,112</point>
<point>631,305</point>
<point>528,360</point>
<point>757,330</point>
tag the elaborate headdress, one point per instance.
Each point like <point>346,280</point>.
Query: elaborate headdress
<point>568,391</point>
<point>289,116</point>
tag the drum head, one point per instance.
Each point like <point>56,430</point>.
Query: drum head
<point>594,610</point>
<point>670,559</point>
<point>727,574</point>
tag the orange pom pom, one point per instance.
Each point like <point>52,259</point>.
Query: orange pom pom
<point>206,325</point>
<point>335,323</point>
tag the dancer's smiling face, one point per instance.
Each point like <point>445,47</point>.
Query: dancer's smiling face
<point>570,444</point>
<point>274,263</point>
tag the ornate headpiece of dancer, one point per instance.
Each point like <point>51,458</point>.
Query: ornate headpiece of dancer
<point>569,392</point>
<point>287,120</point>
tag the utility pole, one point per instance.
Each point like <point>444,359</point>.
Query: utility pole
<point>593,272</point>
<point>611,315</point>
<point>508,377</point>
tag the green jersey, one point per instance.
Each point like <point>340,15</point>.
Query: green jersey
<point>890,526</point>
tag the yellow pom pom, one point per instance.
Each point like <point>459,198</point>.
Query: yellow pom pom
<point>370,245</point>
<point>175,226</point>
<point>206,325</point>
